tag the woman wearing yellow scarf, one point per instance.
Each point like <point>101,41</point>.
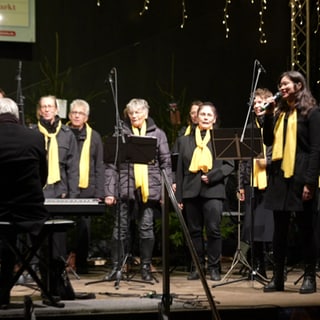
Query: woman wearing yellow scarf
<point>293,132</point>
<point>139,190</point>
<point>200,181</point>
<point>255,212</point>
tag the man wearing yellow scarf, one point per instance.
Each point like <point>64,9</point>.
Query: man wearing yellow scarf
<point>62,158</point>
<point>138,188</point>
<point>62,151</point>
<point>200,181</point>
<point>293,132</point>
<point>91,174</point>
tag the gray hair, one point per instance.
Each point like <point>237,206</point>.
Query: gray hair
<point>7,105</point>
<point>137,103</point>
<point>80,103</point>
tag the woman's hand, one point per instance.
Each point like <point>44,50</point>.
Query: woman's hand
<point>204,179</point>
<point>261,162</point>
<point>241,195</point>
<point>110,200</point>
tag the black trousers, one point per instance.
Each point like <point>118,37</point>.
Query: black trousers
<point>304,221</point>
<point>204,215</point>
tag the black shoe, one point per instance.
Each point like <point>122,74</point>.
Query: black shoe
<point>274,286</point>
<point>308,285</point>
<point>146,272</point>
<point>194,275</point>
<point>215,275</point>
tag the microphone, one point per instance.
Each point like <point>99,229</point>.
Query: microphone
<point>111,73</point>
<point>276,97</point>
<point>18,77</point>
<point>110,76</point>
<point>260,66</point>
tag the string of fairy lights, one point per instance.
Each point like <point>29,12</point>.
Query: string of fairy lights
<point>226,16</point>
<point>184,15</point>
<point>263,8</point>
<point>318,17</point>
<point>295,10</point>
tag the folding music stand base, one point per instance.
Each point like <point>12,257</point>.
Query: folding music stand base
<point>228,145</point>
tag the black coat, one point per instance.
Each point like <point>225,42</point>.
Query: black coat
<point>285,194</point>
<point>189,185</point>
<point>96,170</point>
<point>69,165</point>
<point>23,172</point>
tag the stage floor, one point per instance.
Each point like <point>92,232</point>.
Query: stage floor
<point>136,298</point>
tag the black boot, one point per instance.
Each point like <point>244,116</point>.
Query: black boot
<point>146,249</point>
<point>309,280</point>
<point>146,272</point>
<point>277,281</point>
<point>258,260</point>
<point>215,274</point>
<point>117,254</point>
<point>194,274</point>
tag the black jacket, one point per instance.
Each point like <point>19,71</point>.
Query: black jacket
<point>286,193</point>
<point>96,173</point>
<point>69,165</point>
<point>23,172</point>
<point>189,184</point>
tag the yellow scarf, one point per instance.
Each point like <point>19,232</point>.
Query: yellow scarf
<point>84,164</point>
<point>259,174</point>
<point>141,170</point>
<point>287,152</point>
<point>188,130</point>
<point>202,157</point>
<point>53,153</point>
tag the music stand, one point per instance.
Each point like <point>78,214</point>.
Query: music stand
<point>227,145</point>
<point>132,149</point>
<point>135,149</point>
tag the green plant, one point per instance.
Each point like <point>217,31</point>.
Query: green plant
<point>228,227</point>
<point>175,233</point>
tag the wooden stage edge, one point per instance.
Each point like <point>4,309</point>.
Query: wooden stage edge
<point>241,299</point>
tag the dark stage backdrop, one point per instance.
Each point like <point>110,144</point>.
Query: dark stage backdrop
<point>154,57</point>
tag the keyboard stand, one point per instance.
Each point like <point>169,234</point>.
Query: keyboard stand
<point>25,257</point>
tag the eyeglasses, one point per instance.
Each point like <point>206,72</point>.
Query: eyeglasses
<point>80,113</point>
<point>47,106</point>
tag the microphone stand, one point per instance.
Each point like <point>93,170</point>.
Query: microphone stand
<point>239,256</point>
<point>113,80</point>
<point>20,97</point>
<point>250,114</point>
